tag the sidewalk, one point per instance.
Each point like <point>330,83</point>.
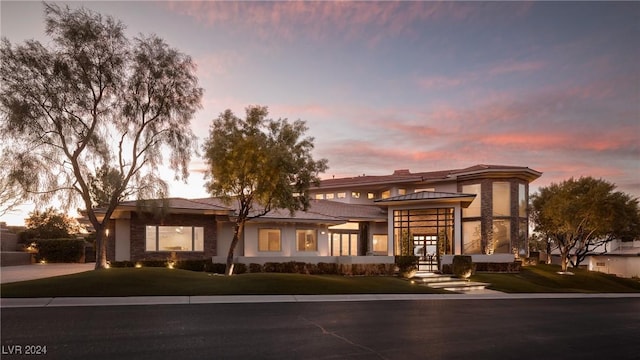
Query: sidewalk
<point>10,274</point>
<point>248,299</point>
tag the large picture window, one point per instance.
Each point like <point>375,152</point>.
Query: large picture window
<point>501,199</point>
<point>307,240</point>
<point>380,244</point>
<point>269,240</point>
<point>474,209</point>
<point>471,238</point>
<point>174,238</point>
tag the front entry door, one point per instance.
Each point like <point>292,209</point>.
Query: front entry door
<point>425,247</point>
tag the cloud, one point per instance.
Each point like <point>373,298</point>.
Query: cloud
<point>353,20</point>
<point>221,63</point>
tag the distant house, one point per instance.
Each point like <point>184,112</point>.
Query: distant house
<point>616,257</point>
<point>481,211</point>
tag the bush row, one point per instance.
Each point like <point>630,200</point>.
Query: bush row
<point>511,267</point>
<point>60,250</point>
<point>270,267</point>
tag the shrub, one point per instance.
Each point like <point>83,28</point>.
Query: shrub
<point>462,266</point>
<point>255,268</point>
<point>60,250</point>
<point>239,268</point>
<point>327,269</point>
<point>193,265</point>
<point>407,265</point>
<point>216,268</point>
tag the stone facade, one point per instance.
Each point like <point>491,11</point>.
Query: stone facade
<point>138,233</point>
<point>486,208</point>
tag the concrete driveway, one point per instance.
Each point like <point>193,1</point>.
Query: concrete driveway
<point>10,274</point>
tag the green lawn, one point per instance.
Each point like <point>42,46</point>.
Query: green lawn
<point>545,279</point>
<point>162,281</point>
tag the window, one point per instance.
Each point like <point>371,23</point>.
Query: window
<point>307,240</point>
<point>269,240</point>
<point>522,201</point>
<point>407,223</point>
<point>329,196</point>
<point>355,195</point>
<point>319,196</point>
<point>344,244</point>
<point>402,191</point>
<point>471,238</point>
<point>371,196</point>
<point>386,194</point>
<point>425,189</point>
<point>174,238</point>
<point>474,209</point>
<point>501,199</point>
<point>342,195</point>
<point>500,240</point>
<point>380,244</point>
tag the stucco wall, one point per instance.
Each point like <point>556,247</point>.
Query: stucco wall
<point>288,239</point>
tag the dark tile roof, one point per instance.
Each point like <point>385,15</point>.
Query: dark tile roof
<point>348,211</point>
<point>176,203</point>
<point>324,210</point>
<point>405,176</point>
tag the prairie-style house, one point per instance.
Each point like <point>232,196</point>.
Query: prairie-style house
<point>480,211</point>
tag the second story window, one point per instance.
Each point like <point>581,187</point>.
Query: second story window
<point>355,195</point>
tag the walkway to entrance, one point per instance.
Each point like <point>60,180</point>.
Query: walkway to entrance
<point>10,274</point>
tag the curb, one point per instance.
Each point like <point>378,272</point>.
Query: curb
<point>253,299</point>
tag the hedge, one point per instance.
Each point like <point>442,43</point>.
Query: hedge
<point>290,267</point>
<point>60,250</point>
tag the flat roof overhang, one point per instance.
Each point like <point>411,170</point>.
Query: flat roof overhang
<point>429,197</point>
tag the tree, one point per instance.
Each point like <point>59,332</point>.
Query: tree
<point>51,224</point>
<point>581,215</point>
<point>260,163</point>
<point>93,115</point>
<point>11,195</point>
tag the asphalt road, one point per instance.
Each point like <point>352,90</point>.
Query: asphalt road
<point>431,329</point>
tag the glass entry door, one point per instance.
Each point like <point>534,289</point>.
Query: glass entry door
<point>425,247</point>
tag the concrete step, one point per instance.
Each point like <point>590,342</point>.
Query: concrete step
<point>470,286</point>
<point>433,279</point>
<point>444,284</point>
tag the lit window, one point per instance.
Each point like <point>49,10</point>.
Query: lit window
<point>174,238</point>
<point>319,196</point>
<point>269,240</point>
<point>402,191</point>
<point>344,244</point>
<point>500,241</point>
<point>471,238</point>
<point>474,209</point>
<point>371,195</point>
<point>425,189</point>
<point>501,199</point>
<point>355,195</point>
<point>380,244</point>
<point>342,195</point>
<point>329,196</point>
<point>522,201</point>
<point>306,240</point>
<point>386,194</point>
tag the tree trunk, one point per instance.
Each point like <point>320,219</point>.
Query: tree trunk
<point>236,238</point>
<point>564,260</point>
<point>101,248</point>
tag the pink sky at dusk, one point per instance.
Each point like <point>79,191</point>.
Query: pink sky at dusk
<point>411,85</point>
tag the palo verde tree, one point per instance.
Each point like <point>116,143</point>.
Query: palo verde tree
<point>260,163</point>
<point>93,113</point>
<point>578,216</point>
